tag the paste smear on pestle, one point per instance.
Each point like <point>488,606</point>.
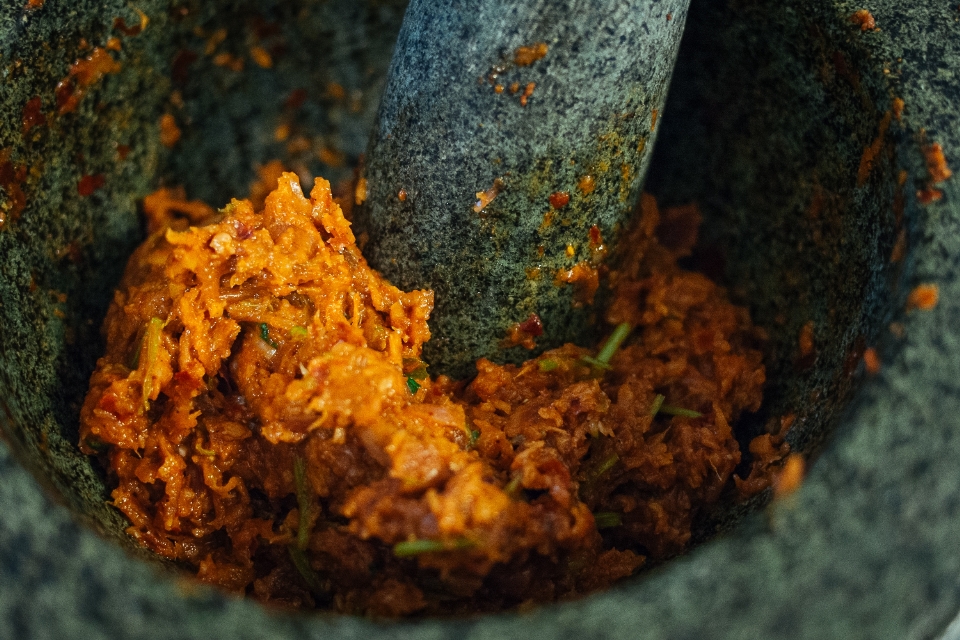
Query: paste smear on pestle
<point>264,418</point>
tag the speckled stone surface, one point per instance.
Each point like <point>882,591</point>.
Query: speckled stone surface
<point>870,545</point>
<point>462,122</point>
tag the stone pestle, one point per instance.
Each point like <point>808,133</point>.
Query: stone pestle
<point>510,148</point>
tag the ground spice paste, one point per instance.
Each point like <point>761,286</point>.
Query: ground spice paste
<point>265,418</point>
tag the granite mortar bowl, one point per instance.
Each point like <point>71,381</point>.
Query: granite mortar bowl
<point>784,123</point>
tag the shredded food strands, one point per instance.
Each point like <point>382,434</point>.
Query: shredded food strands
<point>266,418</point>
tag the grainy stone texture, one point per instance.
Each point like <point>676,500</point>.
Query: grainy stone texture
<point>868,548</point>
<point>466,119</point>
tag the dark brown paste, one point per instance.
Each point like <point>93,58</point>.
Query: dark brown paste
<point>265,418</point>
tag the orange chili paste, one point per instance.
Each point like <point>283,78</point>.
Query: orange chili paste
<point>266,419</point>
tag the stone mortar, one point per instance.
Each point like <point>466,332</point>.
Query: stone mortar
<point>771,109</point>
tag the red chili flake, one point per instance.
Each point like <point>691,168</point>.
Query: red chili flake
<point>559,200</point>
<point>596,238</point>
<point>525,56</point>
<point>89,184</point>
<point>64,94</point>
<point>169,131</point>
<point>527,92</point>
<point>871,361</point>
<point>532,325</point>
<point>243,231</point>
<point>864,19</point>
<point>790,477</point>
<point>121,25</point>
<point>11,176</point>
<point>928,195</point>
<point>123,151</point>
<point>33,114</point>
<point>181,65</point>
<point>83,74</point>
<point>296,99</point>
<point>923,297</point>
<point>936,163</point>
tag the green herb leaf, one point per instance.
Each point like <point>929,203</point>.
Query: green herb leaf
<point>413,385</point>
<point>613,342</point>
<point>512,488</point>
<point>548,365</point>
<point>265,335</point>
<point>474,437</point>
<point>607,519</point>
<point>606,465</point>
<point>410,548</point>
<point>303,501</point>
<point>204,452</point>
<point>415,368</point>
<point>593,362</point>
<point>96,444</point>
<point>657,404</point>
<point>302,563</point>
<point>295,332</point>
<point>671,410</point>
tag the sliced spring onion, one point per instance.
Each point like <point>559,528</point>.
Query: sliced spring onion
<point>409,548</point>
<point>548,365</point>
<point>671,410</point>
<point>413,385</point>
<point>607,519</point>
<point>302,563</point>
<point>296,332</point>
<point>512,487</point>
<point>657,404</point>
<point>593,362</point>
<point>204,452</point>
<point>613,342</point>
<point>97,444</point>
<point>303,502</point>
<point>607,464</point>
<point>265,335</point>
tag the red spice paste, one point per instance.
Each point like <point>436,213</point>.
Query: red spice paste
<point>266,419</point>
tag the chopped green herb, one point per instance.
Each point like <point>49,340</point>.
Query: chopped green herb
<point>657,404</point>
<point>151,339</point>
<point>548,365</point>
<point>607,519</point>
<point>415,368</point>
<point>474,437</point>
<point>512,487</point>
<point>265,335</point>
<point>413,385</point>
<point>420,373</point>
<point>303,502</point>
<point>295,332</point>
<point>410,548</point>
<point>97,444</point>
<point>613,342</point>
<point>204,452</point>
<point>606,465</point>
<point>134,361</point>
<point>302,563</point>
<point>593,362</point>
<point>671,410</point>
